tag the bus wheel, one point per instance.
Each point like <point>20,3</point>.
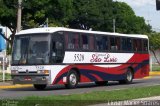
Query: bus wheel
<point>101,83</point>
<point>128,79</point>
<point>40,86</point>
<point>72,79</point>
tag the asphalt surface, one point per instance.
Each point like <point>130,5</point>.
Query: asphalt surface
<point>19,93</point>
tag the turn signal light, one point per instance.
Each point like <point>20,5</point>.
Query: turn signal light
<point>43,71</point>
<point>46,71</point>
<point>14,71</point>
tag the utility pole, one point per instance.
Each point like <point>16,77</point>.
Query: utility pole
<point>19,13</point>
<point>114,25</point>
<point>3,68</point>
<point>47,22</point>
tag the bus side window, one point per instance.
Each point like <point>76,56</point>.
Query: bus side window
<point>118,44</point>
<point>129,44</point>
<point>101,42</point>
<point>124,44</point>
<point>72,40</point>
<point>135,45</point>
<point>105,42</point>
<point>98,42</point>
<point>85,42</point>
<point>145,45</point>
<point>112,44</point>
<point>139,44</point>
<point>91,42</point>
<point>57,53</point>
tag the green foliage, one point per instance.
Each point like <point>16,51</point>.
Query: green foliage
<point>95,14</point>
<point>154,39</point>
<point>156,67</point>
<point>9,50</point>
<point>7,75</point>
<point>127,21</point>
<point>80,14</point>
<point>8,14</point>
<point>34,13</point>
<point>91,98</point>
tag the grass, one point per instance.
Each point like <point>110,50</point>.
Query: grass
<point>91,98</point>
<point>155,67</point>
<point>7,76</point>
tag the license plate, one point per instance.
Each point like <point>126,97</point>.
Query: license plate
<point>27,78</point>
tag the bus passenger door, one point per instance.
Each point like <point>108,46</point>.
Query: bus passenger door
<point>57,47</point>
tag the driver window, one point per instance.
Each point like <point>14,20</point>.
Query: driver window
<point>57,53</point>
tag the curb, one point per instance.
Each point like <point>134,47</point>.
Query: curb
<point>155,73</point>
<point>151,74</point>
<point>15,86</point>
<point>148,77</point>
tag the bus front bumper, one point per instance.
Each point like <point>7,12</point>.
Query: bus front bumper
<point>30,79</point>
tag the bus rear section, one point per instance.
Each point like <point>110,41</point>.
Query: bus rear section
<point>49,56</point>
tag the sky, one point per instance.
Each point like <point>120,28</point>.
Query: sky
<point>146,9</point>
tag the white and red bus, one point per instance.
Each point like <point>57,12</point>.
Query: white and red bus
<point>48,56</point>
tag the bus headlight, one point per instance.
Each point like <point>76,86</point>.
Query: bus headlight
<point>14,71</point>
<point>43,72</point>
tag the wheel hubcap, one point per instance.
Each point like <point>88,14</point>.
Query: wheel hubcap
<point>129,76</point>
<point>73,79</point>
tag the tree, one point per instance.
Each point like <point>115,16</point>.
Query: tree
<point>95,14</point>
<point>79,14</point>
<point>8,16</point>
<point>35,13</point>
<point>127,21</point>
<point>154,39</point>
<point>32,15</point>
<point>60,12</point>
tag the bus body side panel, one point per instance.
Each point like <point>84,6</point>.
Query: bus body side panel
<point>101,73</point>
<point>59,73</point>
<point>108,71</point>
<point>142,68</point>
<point>97,71</point>
<point>90,73</point>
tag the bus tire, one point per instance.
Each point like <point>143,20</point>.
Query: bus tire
<point>101,83</point>
<point>40,86</point>
<point>128,78</point>
<point>72,79</point>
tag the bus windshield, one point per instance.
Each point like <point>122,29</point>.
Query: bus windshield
<point>31,49</point>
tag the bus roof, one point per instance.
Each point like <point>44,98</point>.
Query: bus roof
<point>55,29</point>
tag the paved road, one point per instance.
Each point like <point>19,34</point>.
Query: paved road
<point>82,88</point>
